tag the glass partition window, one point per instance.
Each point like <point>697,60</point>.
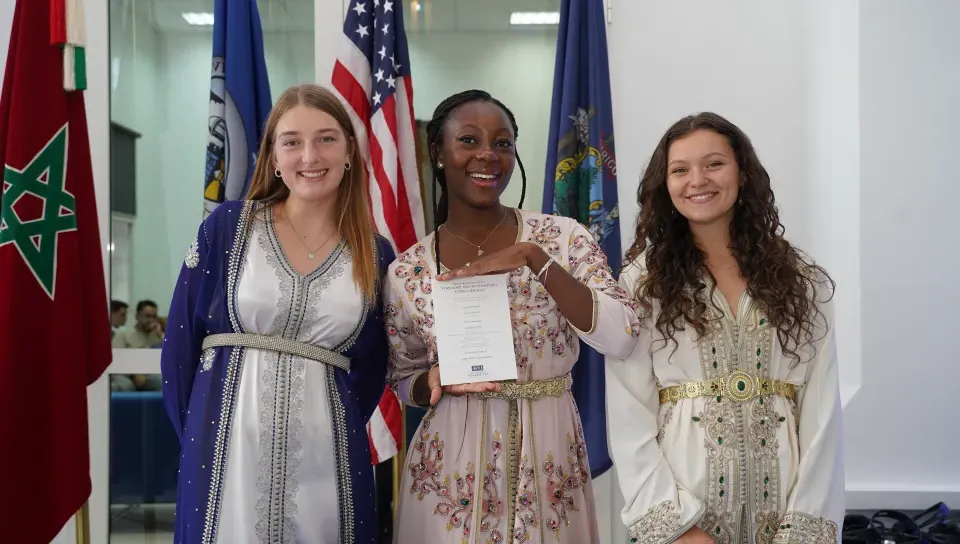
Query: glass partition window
<point>160,70</point>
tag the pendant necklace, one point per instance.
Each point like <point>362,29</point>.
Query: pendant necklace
<point>480,246</point>
<point>310,254</point>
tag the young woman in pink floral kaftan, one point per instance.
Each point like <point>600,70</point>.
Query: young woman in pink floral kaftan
<point>499,462</point>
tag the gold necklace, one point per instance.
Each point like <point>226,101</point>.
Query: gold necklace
<point>479,247</point>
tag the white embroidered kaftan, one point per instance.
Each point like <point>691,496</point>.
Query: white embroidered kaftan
<point>490,470</point>
<point>281,481</point>
<point>758,471</point>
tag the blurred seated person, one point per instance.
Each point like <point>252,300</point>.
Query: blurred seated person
<point>135,382</point>
<point>147,332</point>
<point>118,316</point>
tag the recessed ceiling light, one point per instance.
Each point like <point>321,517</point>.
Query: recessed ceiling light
<point>198,19</point>
<point>535,18</point>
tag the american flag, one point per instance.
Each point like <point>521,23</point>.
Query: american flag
<point>372,76</point>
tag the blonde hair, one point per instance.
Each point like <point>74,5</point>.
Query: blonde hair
<point>356,225</point>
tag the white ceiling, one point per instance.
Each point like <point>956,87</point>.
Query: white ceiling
<point>297,15</point>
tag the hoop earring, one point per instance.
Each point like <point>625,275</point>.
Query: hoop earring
<point>277,172</point>
<point>346,165</point>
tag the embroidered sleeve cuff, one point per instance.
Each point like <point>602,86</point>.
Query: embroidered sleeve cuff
<point>660,525</point>
<point>801,528</point>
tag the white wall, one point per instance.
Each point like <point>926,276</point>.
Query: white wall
<point>515,67</point>
<point>902,433</point>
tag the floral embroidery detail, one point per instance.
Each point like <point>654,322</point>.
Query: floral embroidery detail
<point>536,319</point>
<point>560,483</point>
<point>206,359</point>
<point>192,258</point>
<point>413,269</point>
<point>801,528</point>
<point>426,479</point>
<point>526,505</point>
<point>397,334</point>
<point>426,472</point>
<point>492,503</point>
<point>545,234</point>
<point>459,508</point>
<point>660,524</point>
<point>589,264</point>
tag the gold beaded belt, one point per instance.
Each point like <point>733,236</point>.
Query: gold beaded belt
<point>738,387</point>
<point>535,390</point>
<point>278,344</point>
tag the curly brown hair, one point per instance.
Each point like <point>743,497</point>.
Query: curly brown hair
<point>780,279</point>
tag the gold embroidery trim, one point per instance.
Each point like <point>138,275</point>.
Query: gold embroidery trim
<point>534,390</point>
<point>737,386</point>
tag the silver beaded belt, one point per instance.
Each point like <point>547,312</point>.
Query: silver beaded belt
<point>278,344</point>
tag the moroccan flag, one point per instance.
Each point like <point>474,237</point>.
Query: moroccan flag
<point>54,325</point>
<point>582,180</point>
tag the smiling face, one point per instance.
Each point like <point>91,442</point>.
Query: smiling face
<point>478,153</point>
<point>311,152</point>
<point>703,178</point>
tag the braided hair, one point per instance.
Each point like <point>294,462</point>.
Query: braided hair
<point>435,141</point>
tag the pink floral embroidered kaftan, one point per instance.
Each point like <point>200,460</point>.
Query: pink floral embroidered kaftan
<point>523,461</point>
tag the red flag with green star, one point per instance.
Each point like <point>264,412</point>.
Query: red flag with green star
<point>54,317</point>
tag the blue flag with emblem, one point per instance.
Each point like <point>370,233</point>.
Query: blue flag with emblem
<point>239,101</point>
<point>581,180</point>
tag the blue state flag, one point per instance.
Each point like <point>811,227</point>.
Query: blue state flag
<point>239,101</point>
<point>581,180</point>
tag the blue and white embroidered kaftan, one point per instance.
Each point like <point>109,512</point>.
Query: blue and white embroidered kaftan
<point>274,446</point>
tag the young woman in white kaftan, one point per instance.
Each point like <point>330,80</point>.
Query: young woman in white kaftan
<point>727,413</point>
<point>275,355</point>
<point>499,462</point>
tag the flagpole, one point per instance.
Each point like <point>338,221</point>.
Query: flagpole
<point>399,459</point>
<point>83,523</point>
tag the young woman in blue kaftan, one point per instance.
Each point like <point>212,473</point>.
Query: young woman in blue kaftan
<point>275,355</point>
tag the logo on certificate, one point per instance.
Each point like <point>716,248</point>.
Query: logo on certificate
<point>476,368</point>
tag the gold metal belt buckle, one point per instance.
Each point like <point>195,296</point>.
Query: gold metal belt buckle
<point>741,386</point>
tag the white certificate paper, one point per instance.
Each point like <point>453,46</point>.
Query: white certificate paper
<point>473,330</point>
